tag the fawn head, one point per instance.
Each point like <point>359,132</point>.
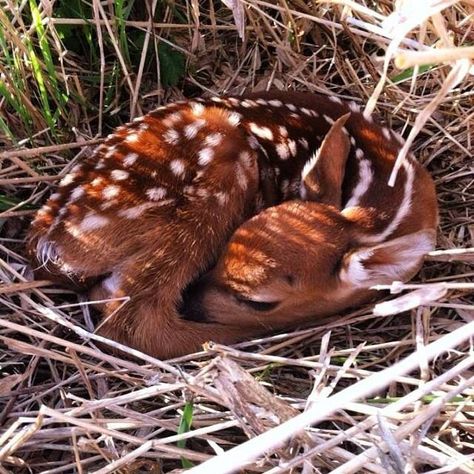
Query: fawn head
<point>303,259</point>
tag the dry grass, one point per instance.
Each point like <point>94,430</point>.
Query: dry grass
<point>385,392</point>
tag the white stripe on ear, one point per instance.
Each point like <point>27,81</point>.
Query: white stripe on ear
<point>396,259</point>
<point>323,173</point>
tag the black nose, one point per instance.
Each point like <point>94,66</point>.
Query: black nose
<point>191,306</point>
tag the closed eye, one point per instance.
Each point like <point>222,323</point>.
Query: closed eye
<point>259,305</point>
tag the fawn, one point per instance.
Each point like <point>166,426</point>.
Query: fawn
<point>286,191</point>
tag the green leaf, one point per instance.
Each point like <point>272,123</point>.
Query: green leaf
<point>408,73</point>
<point>172,65</point>
<point>184,427</point>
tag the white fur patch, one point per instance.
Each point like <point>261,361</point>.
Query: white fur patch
<point>335,99</point>
<point>171,136</point>
<point>283,131</point>
<point>359,153</point>
<point>262,132</point>
<point>197,108</point>
<point>110,192</point>
<point>292,107</point>
<point>76,194</point>
<point>155,194</point>
<point>130,159</point>
<point>275,103</point>
<point>136,211</point>
<point>354,107</point>
<point>92,222</point>
<point>68,179</point>
<point>132,138</point>
<point>283,151</point>
<point>111,152</point>
<point>328,119</point>
<point>55,196</point>
<point>205,156</point>
<point>172,119</point>
<point>191,130</point>
<point>112,283</point>
<point>213,139</point>
<point>404,207</point>
<point>177,167</point>
<point>119,175</point>
<point>306,111</point>
<point>234,118</point>
<point>365,180</point>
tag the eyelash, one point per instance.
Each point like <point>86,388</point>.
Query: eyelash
<point>259,305</point>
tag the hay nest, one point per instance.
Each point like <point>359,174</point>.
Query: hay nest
<point>383,391</point>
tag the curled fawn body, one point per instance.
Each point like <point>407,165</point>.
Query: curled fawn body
<point>147,216</point>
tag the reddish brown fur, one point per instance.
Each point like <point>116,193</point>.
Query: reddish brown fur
<point>168,245</point>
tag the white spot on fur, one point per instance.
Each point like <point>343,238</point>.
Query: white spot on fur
<point>197,108</point>
<point>359,153</point>
<point>172,119</point>
<point>100,165</point>
<point>191,130</point>
<point>110,192</point>
<point>261,102</point>
<point>130,159</point>
<point>119,175</point>
<point>136,211</point>
<point>205,156</point>
<point>262,132</point>
<point>76,194</point>
<point>55,196</point>
<point>110,152</point>
<point>365,180</point>
<point>283,131</point>
<point>283,151</point>
<point>177,167</point>
<point>275,103</point>
<point>171,136</point>
<point>353,142</point>
<point>306,111</point>
<point>292,107</point>
<point>97,181</point>
<point>335,99</point>
<point>213,139</point>
<point>354,107</point>
<point>155,194</point>
<point>92,222</point>
<point>132,138</point>
<point>404,207</point>
<point>234,119</point>
<point>328,119</point>
<point>68,179</point>
<point>216,99</point>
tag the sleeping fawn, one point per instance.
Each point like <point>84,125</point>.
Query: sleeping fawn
<point>224,218</point>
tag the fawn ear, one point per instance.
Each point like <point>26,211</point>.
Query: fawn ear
<point>396,259</point>
<point>322,175</point>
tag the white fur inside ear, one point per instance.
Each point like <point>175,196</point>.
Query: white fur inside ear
<point>396,259</point>
<point>308,167</point>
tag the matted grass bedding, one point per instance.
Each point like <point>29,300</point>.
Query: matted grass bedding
<point>379,393</point>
